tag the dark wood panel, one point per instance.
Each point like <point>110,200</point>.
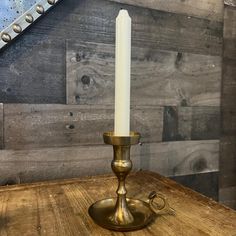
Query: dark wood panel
<point>228,70</point>
<point>229,44</point>
<point>229,33</point>
<point>181,158</point>
<point>204,183</point>
<point>229,65</point>
<point>228,161</point>
<point>230,204</point>
<point>50,125</point>
<point>210,9</point>
<point>32,69</point>
<point>191,123</point>
<point>228,194</point>
<point>228,105</point>
<point>227,177</point>
<point>158,77</point>
<point>228,148</point>
<point>229,120</point>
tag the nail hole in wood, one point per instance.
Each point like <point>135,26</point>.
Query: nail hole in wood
<point>78,58</point>
<point>85,80</point>
<point>77,98</point>
<point>200,165</point>
<point>184,102</point>
<point>178,59</point>
<point>70,126</point>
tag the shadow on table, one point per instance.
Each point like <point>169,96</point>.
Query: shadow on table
<point>4,221</point>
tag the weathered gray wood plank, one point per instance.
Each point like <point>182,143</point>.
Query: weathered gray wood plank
<point>228,141</point>
<point>24,166</point>
<point>32,69</point>
<point>229,118</point>
<point>208,9</point>
<point>1,126</point>
<point>46,125</point>
<point>229,70</point>
<point>158,77</point>
<point>181,158</point>
<point>229,61</point>
<point>92,20</point>
<point>228,161</point>
<point>174,158</point>
<point>227,176</point>
<point>229,33</point>
<point>231,3</point>
<point>191,123</point>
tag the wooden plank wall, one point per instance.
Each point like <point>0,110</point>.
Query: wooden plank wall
<point>159,78</point>
<point>62,72</point>
<point>227,193</point>
<point>53,125</point>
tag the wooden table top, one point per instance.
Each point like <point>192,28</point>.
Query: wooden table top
<point>60,208</point>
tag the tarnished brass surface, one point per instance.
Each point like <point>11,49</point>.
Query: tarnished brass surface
<point>6,37</point>
<point>143,212</point>
<point>17,28</point>
<point>121,166</point>
<point>39,9</point>
<point>164,208</point>
<point>103,210</point>
<point>120,213</point>
<point>132,139</point>
<point>29,18</point>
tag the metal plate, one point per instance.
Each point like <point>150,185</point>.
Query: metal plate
<point>10,10</point>
<point>17,15</point>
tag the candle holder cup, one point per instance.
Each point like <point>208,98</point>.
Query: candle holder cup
<point>121,213</point>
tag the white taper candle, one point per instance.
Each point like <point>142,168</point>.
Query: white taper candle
<point>122,74</point>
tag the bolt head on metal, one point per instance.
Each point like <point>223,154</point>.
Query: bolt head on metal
<point>29,18</point>
<point>17,28</point>
<point>39,9</point>
<point>51,2</point>
<point>6,37</point>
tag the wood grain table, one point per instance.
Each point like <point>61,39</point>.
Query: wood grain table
<point>60,208</point>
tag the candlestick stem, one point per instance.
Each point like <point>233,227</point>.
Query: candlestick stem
<point>121,166</point>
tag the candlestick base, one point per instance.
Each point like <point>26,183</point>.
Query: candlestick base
<point>102,212</point>
<point>121,213</point>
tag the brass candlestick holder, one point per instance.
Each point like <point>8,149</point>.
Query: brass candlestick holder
<point>121,213</point>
